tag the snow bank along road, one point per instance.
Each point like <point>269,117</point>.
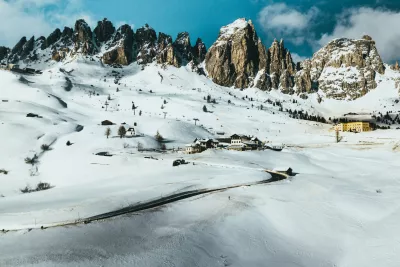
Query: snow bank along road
<point>275,176</point>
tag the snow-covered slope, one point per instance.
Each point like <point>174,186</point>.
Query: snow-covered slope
<point>327,214</point>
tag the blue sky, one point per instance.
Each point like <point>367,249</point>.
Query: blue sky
<point>305,25</point>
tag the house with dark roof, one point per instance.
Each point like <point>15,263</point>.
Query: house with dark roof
<point>242,142</point>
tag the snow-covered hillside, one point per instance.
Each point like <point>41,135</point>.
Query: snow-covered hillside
<point>339,210</point>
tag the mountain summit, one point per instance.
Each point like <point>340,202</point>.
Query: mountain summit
<point>343,69</point>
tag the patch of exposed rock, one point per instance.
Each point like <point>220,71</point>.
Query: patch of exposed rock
<point>146,39</point>
<point>234,59</point>
<point>4,52</point>
<point>121,49</point>
<point>199,51</point>
<point>52,38</point>
<point>183,47</point>
<point>346,68</point>
<point>83,38</point>
<point>104,30</point>
<point>166,53</point>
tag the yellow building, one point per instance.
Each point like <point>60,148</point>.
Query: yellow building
<point>353,127</point>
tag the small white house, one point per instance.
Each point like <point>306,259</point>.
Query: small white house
<point>131,132</point>
<point>193,149</point>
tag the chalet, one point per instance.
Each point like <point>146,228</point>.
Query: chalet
<point>200,145</point>
<point>254,143</point>
<point>244,142</point>
<point>130,132</point>
<point>193,149</point>
<point>237,139</point>
<point>206,143</point>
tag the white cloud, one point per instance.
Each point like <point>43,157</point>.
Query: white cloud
<point>297,58</point>
<point>380,24</point>
<point>17,23</point>
<point>282,21</point>
<point>37,17</point>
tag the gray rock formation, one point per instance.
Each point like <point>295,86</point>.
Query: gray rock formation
<point>238,58</point>
<point>17,49</point>
<point>199,51</point>
<point>146,39</point>
<point>52,39</point>
<point>121,49</point>
<point>27,48</point>
<point>104,30</point>
<point>346,68</point>
<point>4,52</point>
<point>83,38</point>
<point>166,53</point>
<point>234,59</point>
<point>183,47</point>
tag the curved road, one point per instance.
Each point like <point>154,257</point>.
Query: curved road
<point>276,176</point>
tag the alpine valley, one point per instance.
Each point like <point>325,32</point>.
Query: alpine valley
<point>123,147</point>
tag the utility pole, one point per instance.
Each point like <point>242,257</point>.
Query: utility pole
<point>165,114</point>
<point>195,121</point>
<point>134,108</point>
<point>106,104</point>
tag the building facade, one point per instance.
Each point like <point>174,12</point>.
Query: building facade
<point>244,142</point>
<point>353,127</point>
<point>193,149</point>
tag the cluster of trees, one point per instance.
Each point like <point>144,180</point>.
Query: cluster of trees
<point>121,131</point>
<point>301,115</point>
<point>389,118</point>
<point>210,99</point>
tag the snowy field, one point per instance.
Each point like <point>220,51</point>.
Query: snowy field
<point>341,209</point>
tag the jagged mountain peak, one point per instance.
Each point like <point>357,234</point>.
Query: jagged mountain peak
<point>344,68</point>
<point>104,30</point>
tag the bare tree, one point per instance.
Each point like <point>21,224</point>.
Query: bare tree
<point>108,132</point>
<point>159,137</point>
<point>337,136</point>
<point>121,131</point>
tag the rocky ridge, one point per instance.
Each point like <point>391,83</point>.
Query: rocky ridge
<point>120,46</point>
<point>343,69</point>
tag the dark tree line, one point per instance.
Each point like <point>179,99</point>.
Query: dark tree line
<point>301,115</point>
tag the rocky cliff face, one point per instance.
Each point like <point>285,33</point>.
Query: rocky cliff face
<point>238,58</point>
<point>166,52</point>
<point>234,59</point>
<point>146,39</point>
<point>83,38</point>
<point>4,52</point>
<point>115,47</point>
<point>104,30</point>
<point>122,47</point>
<point>343,69</point>
<point>199,51</point>
<point>346,68</point>
<point>183,47</point>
